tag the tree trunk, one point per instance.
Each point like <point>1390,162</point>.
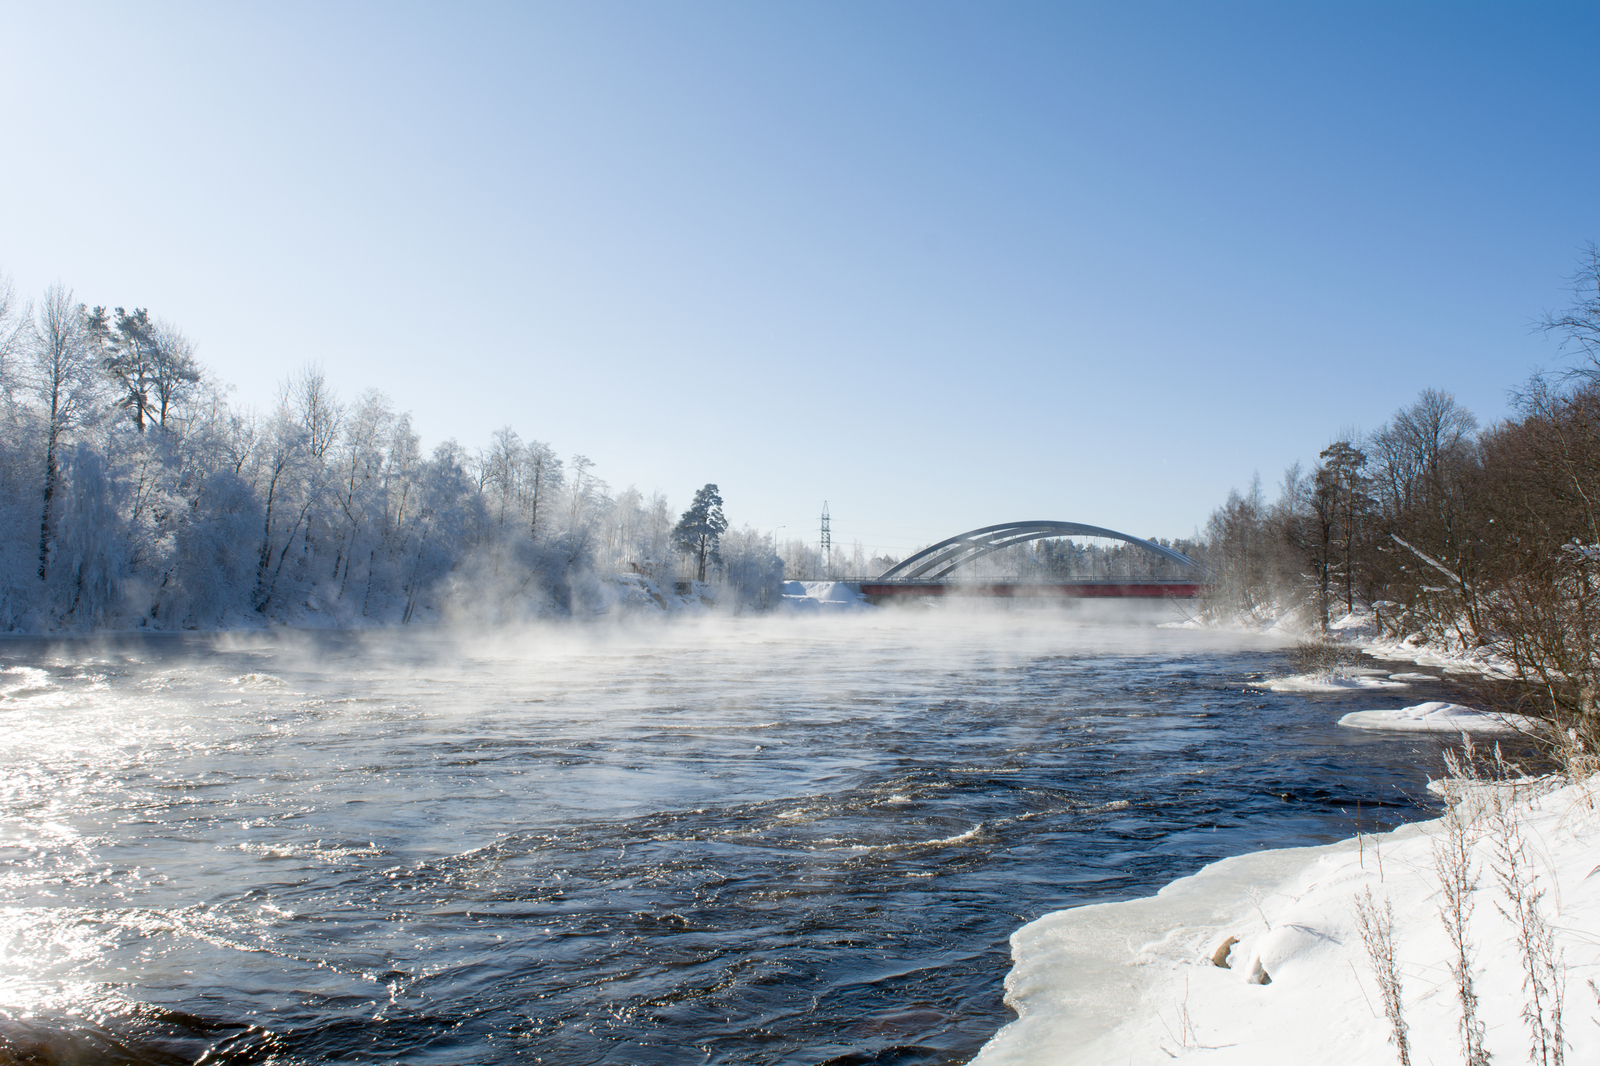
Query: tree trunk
<point>50,475</point>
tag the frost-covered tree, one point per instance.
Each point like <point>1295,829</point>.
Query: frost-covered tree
<point>13,326</point>
<point>134,493</point>
<point>315,406</point>
<point>66,386</point>
<point>91,559</point>
<point>174,371</point>
<point>282,480</point>
<point>752,571</point>
<point>700,530</point>
<point>802,561</point>
<point>126,346</point>
<point>540,481</point>
<point>522,482</point>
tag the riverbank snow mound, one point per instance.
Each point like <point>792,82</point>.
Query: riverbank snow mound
<point>1433,717</point>
<point>629,593</point>
<point>822,596</point>
<point>1135,983</point>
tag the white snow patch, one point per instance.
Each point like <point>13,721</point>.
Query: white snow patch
<point>1116,982</point>
<point>628,593</point>
<point>1361,682</point>
<point>1357,624</point>
<point>1434,717</point>
<point>822,596</point>
<point>1454,659</point>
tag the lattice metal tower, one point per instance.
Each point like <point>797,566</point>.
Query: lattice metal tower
<point>827,541</point>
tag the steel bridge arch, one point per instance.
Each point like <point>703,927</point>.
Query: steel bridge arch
<point>963,548</point>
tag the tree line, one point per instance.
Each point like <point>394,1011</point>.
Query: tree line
<point>1478,536</point>
<point>134,494</point>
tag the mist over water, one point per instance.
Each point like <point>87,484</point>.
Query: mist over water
<point>737,840</point>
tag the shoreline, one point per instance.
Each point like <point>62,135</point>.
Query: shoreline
<point>1134,981</point>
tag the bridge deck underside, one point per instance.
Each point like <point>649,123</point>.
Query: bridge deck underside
<point>1058,589</point>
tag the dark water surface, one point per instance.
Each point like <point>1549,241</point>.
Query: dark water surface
<point>720,842</point>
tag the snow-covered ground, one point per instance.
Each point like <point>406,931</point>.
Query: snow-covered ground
<point>1437,717</point>
<point>1135,982</point>
<point>1358,631</point>
<point>635,592</point>
<point>629,593</point>
<point>810,596</point>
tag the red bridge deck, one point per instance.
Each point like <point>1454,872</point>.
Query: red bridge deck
<point>1086,589</point>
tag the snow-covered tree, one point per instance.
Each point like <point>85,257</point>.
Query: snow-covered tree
<point>66,385</point>
<point>126,346</point>
<point>134,493</point>
<point>174,371</point>
<point>752,571</point>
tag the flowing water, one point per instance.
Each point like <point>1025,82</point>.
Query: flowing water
<point>720,841</point>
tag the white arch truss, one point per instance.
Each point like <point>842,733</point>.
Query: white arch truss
<point>965,547</point>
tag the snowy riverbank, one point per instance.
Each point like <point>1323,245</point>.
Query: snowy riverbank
<point>624,593</point>
<point>1134,982</point>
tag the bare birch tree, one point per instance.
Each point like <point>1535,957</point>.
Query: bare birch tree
<point>66,385</point>
<point>13,326</point>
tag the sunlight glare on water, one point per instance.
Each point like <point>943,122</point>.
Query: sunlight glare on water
<point>731,840</point>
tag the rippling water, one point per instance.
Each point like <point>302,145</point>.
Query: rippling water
<point>728,841</point>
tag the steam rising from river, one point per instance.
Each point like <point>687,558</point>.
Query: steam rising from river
<point>589,840</point>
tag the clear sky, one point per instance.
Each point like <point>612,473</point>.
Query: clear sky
<point>938,264</point>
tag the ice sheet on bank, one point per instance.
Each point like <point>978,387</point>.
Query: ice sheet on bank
<point>1434,717</point>
<point>1134,982</point>
<point>1353,680</point>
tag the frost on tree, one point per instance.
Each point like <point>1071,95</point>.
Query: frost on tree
<point>699,532</point>
<point>134,494</point>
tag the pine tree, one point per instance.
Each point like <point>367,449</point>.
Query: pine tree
<point>700,530</point>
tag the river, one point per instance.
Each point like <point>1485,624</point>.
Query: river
<point>718,841</point>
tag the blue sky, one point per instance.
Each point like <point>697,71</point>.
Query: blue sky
<point>940,265</point>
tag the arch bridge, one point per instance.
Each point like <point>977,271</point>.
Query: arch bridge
<point>927,572</point>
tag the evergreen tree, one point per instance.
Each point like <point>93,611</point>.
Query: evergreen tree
<point>1341,475</point>
<point>700,530</point>
<point>129,356</point>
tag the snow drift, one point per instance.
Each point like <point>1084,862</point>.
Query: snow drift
<point>1434,717</point>
<point>1135,982</point>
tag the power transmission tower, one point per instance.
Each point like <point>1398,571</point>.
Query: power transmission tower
<point>827,542</point>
